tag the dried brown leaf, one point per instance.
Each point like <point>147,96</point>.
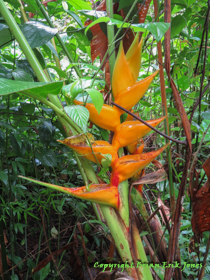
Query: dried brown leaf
<point>182,113</point>
<point>206,167</point>
<point>152,178</point>
<point>201,210</point>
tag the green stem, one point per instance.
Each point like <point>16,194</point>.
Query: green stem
<point>59,38</point>
<point>110,33</point>
<point>123,189</point>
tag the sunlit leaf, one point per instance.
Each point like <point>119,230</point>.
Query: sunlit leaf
<point>79,115</point>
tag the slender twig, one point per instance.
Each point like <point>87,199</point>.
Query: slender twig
<point>144,122</point>
<point>202,38</point>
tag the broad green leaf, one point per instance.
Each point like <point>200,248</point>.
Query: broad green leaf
<point>42,89</point>
<point>40,57</point>
<point>177,25</point>
<point>5,35</point>
<point>50,46</point>
<point>3,177</point>
<point>27,108</point>
<point>124,3</point>
<point>21,75</point>
<point>145,103</point>
<point>60,72</point>
<point>77,19</point>
<point>158,29</point>
<point>37,34</point>
<point>97,99</point>
<point>101,19</point>
<point>15,145</point>
<point>32,7</point>
<point>80,5</point>
<point>24,64</point>
<point>78,114</point>
<point>172,110</point>
<point>5,73</point>
<point>206,115</point>
<point>47,157</point>
<point>93,13</point>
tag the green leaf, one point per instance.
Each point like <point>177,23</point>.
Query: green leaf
<point>206,115</point>
<point>40,57</point>
<point>60,72</point>
<point>101,19</point>
<point>5,35</point>
<point>37,34</point>
<point>158,29</point>
<point>5,73</point>
<point>21,75</point>
<point>14,277</point>
<point>79,4</point>
<point>44,271</point>
<point>97,99</point>
<point>27,108</point>
<point>106,161</point>
<point>177,25</point>
<point>42,89</point>
<point>172,110</point>
<point>47,157</point>
<point>77,19</point>
<point>15,144</point>
<point>50,46</point>
<point>124,3</point>
<point>78,114</point>
<point>145,103</point>
<point>3,177</point>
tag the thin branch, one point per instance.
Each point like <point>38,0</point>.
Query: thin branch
<point>144,122</point>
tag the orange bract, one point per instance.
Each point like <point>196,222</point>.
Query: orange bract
<point>95,152</point>
<point>127,166</point>
<point>108,118</point>
<point>130,96</point>
<point>130,131</point>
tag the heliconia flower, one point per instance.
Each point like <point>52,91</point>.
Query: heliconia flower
<point>127,166</point>
<point>95,152</point>
<point>133,57</point>
<point>122,77</point>
<point>132,147</point>
<point>98,193</point>
<point>129,132</point>
<point>127,98</point>
<point>108,118</point>
<point>140,149</point>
